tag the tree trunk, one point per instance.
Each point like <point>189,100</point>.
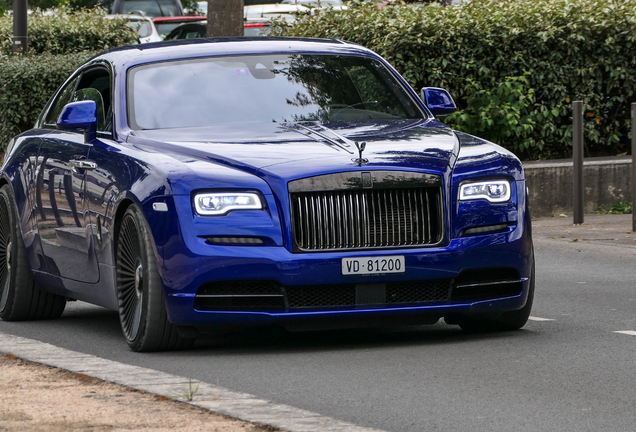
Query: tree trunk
<point>225,18</point>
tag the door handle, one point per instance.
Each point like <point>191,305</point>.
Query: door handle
<point>83,164</point>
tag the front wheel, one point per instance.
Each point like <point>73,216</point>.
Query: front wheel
<point>142,310</point>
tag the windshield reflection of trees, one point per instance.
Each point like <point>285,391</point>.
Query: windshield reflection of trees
<point>328,85</point>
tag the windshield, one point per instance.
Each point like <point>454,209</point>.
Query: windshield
<point>264,88</point>
<point>143,28</point>
<point>151,8</point>
<point>164,28</point>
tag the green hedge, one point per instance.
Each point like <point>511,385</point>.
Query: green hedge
<point>58,45</point>
<point>27,83</point>
<point>514,67</point>
<point>69,32</point>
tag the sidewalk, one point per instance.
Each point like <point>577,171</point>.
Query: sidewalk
<point>596,228</point>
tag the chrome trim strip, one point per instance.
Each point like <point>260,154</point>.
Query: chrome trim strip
<point>353,180</point>
<point>488,283</point>
<point>237,295</point>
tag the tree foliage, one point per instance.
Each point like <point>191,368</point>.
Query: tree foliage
<point>58,45</point>
<point>514,67</point>
<point>69,32</point>
<point>27,83</point>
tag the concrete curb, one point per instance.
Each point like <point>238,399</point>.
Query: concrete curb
<point>242,406</point>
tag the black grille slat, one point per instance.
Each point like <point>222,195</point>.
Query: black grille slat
<point>363,219</point>
<point>428,217</point>
<point>418,216</point>
<point>352,218</point>
<point>386,217</point>
<point>314,225</point>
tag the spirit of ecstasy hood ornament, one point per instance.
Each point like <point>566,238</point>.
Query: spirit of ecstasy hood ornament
<point>361,146</point>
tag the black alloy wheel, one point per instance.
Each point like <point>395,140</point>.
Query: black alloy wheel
<point>142,311</point>
<point>5,252</point>
<point>129,269</point>
<point>20,297</point>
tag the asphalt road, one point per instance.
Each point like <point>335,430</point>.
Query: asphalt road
<point>567,370</point>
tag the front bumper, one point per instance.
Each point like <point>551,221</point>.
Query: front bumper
<point>185,274</point>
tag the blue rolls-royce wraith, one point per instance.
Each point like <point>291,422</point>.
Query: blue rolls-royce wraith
<point>202,186</point>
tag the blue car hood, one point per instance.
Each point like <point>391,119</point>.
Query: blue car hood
<point>296,150</point>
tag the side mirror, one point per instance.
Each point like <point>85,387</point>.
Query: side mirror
<point>438,101</point>
<point>80,115</point>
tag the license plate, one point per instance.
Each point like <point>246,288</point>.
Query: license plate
<point>373,265</point>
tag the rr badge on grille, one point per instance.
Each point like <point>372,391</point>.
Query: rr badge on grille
<point>367,180</point>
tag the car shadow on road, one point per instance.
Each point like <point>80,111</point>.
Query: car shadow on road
<point>278,340</point>
<point>103,324</point>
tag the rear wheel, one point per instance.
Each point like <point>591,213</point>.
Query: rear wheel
<point>20,297</point>
<point>507,321</point>
<point>142,310</point>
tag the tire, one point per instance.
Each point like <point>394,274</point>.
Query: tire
<point>506,321</point>
<point>20,297</point>
<point>142,311</point>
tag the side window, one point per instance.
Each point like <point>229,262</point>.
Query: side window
<point>63,98</point>
<point>95,85</point>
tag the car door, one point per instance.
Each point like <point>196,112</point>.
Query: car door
<point>64,222</point>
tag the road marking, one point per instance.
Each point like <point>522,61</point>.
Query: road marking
<point>627,332</point>
<point>539,319</point>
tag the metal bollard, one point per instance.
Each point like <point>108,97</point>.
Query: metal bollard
<point>633,166</point>
<point>20,27</point>
<point>577,157</point>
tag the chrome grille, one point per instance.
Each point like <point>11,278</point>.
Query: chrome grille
<point>362,219</point>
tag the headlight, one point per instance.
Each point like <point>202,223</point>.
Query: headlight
<point>495,191</point>
<point>215,204</point>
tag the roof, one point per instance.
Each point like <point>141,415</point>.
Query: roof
<point>132,55</point>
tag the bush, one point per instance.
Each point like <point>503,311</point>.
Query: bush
<point>516,65</point>
<point>58,45</point>
<point>503,114</point>
<point>27,83</point>
<point>69,32</point>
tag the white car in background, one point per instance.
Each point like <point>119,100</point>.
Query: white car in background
<point>143,25</point>
<point>266,12</point>
<point>335,4</point>
<point>286,9</point>
<point>202,7</point>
